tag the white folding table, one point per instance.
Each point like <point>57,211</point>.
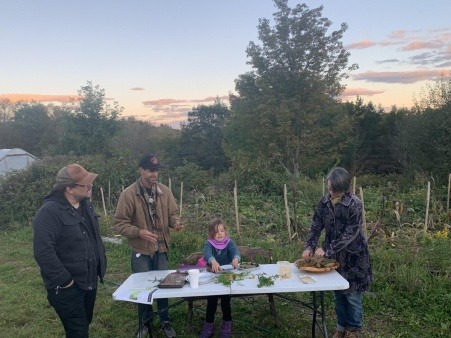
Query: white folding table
<point>142,288</point>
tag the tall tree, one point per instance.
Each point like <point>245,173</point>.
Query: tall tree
<point>89,123</point>
<point>201,139</point>
<point>286,110</point>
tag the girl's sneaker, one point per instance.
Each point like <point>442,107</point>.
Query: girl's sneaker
<point>226,329</point>
<point>208,330</point>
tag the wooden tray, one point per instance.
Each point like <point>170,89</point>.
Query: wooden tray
<point>300,265</point>
<point>173,280</point>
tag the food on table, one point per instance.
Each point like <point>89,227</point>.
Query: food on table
<point>317,264</point>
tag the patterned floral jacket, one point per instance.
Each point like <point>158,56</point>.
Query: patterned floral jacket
<point>344,239</point>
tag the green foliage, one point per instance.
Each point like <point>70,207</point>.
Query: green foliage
<point>286,113</point>
<point>201,139</point>
<point>193,177</point>
<point>410,294</point>
<point>22,192</point>
<point>136,138</point>
<point>89,123</point>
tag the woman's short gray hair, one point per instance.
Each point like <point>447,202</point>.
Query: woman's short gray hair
<point>340,180</point>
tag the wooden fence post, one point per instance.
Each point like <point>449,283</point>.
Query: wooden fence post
<point>363,213</point>
<point>109,194</point>
<point>428,195</point>
<point>287,211</point>
<point>103,200</point>
<point>235,199</point>
<point>181,198</point>
<point>449,188</point>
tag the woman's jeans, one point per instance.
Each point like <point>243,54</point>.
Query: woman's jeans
<point>348,308</point>
<point>144,263</point>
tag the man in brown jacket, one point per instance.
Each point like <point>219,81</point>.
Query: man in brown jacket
<point>144,213</point>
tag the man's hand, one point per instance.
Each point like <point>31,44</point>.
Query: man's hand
<point>148,236</point>
<point>178,227</point>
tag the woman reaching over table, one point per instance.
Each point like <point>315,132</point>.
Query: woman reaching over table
<point>219,250</point>
<point>339,213</point>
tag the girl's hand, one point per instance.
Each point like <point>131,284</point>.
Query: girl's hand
<point>215,267</point>
<point>319,253</point>
<point>235,263</point>
<point>306,255</point>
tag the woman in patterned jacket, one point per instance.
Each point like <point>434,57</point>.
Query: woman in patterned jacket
<point>339,213</point>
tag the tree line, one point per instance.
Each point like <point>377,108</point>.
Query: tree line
<point>285,121</point>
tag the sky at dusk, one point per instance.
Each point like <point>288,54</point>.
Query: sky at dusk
<point>160,58</point>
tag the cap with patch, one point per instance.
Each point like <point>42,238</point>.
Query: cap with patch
<point>73,174</point>
<point>150,161</point>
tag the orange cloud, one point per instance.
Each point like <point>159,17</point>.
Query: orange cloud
<point>422,45</point>
<point>39,98</point>
<point>361,44</point>
<point>360,92</point>
<point>162,102</point>
<point>398,77</point>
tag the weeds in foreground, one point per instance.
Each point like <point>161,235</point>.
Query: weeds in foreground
<point>410,296</point>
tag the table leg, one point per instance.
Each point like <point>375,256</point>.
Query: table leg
<point>147,322</point>
<point>315,307</point>
<point>322,313</point>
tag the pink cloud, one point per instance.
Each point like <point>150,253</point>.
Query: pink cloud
<point>137,88</point>
<point>398,77</point>
<point>162,102</point>
<point>415,45</point>
<point>361,44</point>
<point>39,98</point>
<point>360,92</point>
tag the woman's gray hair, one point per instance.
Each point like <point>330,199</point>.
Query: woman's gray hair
<point>340,180</point>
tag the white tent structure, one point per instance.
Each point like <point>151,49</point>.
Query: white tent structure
<point>13,159</point>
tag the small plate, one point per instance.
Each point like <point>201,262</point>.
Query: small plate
<point>227,267</point>
<point>248,266</point>
<point>307,280</point>
<point>204,277</point>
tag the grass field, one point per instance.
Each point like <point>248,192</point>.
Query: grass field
<point>410,296</point>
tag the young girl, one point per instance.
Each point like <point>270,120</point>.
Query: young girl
<point>339,213</point>
<point>219,250</point>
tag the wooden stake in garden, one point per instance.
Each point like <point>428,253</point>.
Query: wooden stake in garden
<point>427,207</point>
<point>235,199</point>
<point>103,200</point>
<point>363,214</point>
<point>287,211</point>
<point>449,188</point>
<point>170,184</point>
<point>109,194</point>
<point>354,182</point>
<point>181,198</point>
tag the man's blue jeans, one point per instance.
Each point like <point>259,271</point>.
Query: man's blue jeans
<point>348,308</point>
<point>143,263</point>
